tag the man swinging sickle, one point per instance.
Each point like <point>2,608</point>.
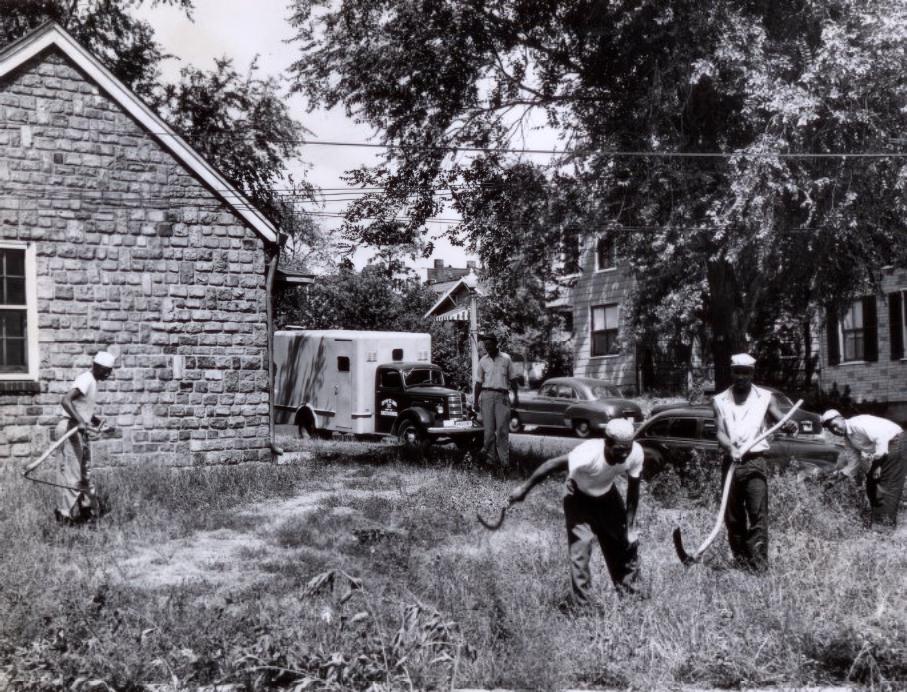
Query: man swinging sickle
<point>593,508</point>
<point>74,460</point>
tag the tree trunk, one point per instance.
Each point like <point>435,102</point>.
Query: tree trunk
<point>728,335</point>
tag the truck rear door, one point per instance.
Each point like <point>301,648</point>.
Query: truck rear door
<point>343,384</point>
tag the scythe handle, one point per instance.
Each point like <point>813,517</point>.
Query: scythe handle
<point>50,450</point>
<point>730,476</point>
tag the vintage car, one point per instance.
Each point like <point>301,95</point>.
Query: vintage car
<point>671,437</point>
<point>807,420</point>
<point>581,404</point>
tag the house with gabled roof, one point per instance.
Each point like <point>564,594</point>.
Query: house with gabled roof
<point>115,234</point>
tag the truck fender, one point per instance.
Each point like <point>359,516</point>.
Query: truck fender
<point>305,412</point>
<point>416,414</point>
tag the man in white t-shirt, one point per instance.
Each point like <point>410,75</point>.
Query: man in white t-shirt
<point>883,443</point>
<point>740,414</point>
<point>74,469</point>
<point>593,508</point>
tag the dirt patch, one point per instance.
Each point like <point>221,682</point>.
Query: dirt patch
<point>231,557</point>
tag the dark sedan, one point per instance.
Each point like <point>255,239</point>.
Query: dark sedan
<point>581,404</point>
<point>807,420</point>
<point>670,437</point>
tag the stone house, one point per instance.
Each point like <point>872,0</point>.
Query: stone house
<point>115,234</point>
<point>862,346</point>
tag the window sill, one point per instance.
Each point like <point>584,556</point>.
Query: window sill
<point>610,355</point>
<point>19,387</point>
<point>845,363</point>
<point>606,270</point>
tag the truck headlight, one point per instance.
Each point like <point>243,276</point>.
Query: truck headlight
<point>439,409</point>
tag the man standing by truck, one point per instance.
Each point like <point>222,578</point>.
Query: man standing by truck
<point>496,378</point>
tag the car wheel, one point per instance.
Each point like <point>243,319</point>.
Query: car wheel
<point>516,424</point>
<point>581,428</point>
<point>412,437</point>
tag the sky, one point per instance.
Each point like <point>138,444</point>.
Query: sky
<point>242,29</point>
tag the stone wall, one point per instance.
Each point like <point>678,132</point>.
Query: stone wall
<point>136,256</point>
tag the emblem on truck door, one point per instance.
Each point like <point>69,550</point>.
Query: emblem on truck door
<point>389,407</point>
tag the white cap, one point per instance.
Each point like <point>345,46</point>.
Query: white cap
<point>830,414</point>
<point>742,360</point>
<point>619,430</point>
<point>105,359</point>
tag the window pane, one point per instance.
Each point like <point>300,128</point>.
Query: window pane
<point>13,344</point>
<point>598,318</point>
<point>14,293</point>
<point>343,364</point>
<point>13,262</point>
<point>853,318</point>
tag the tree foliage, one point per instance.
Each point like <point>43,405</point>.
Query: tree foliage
<point>742,227</point>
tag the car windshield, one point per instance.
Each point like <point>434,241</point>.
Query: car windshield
<point>606,391</point>
<point>424,376</point>
<point>784,402</point>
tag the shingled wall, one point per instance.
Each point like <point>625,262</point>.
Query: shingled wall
<point>136,256</point>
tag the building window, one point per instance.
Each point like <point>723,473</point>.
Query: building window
<point>852,335</point>
<point>605,253</point>
<point>604,330</point>
<point>571,251</point>
<point>18,313</point>
<point>897,322</point>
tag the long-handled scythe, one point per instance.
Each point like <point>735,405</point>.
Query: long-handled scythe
<point>90,494</point>
<point>494,524</point>
<point>685,557</point>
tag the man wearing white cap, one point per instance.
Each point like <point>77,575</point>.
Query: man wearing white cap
<point>74,470</point>
<point>881,442</point>
<point>593,508</point>
<point>740,415</point>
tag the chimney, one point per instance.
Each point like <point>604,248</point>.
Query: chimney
<point>439,264</point>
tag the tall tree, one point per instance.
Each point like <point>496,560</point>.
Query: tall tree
<point>706,136</point>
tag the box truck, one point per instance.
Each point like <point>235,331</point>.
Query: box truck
<point>368,383</point>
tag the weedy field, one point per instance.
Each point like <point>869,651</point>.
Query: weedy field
<point>348,567</point>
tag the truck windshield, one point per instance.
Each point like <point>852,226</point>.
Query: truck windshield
<point>417,376</point>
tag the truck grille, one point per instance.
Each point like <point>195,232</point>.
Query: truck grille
<point>455,407</point>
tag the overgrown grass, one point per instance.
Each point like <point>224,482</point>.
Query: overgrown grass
<point>388,581</point>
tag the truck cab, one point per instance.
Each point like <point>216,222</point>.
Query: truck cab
<point>412,401</point>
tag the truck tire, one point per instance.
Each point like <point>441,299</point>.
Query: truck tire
<point>581,428</point>
<point>412,437</point>
<point>305,424</point>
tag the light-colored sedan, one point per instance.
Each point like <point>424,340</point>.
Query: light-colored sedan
<point>581,404</point>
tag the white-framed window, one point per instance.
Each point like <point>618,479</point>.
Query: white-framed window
<point>851,333</point>
<point>903,293</point>
<point>605,253</point>
<point>18,312</point>
<point>605,328</point>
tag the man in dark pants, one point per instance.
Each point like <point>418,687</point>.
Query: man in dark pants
<point>740,414</point>
<point>593,508</point>
<point>496,379</point>
<point>882,442</point>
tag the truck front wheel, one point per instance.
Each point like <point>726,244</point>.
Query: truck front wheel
<point>413,438</point>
